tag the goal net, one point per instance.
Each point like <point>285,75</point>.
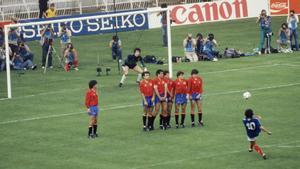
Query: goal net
<point>93,50</point>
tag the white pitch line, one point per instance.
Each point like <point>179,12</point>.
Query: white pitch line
<point>208,156</point>
<point>238,69</point>
<point>66,114</point>
<point>68,90</point>
<point>133,105</point>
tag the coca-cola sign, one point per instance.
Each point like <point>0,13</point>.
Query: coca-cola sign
<point>279,7</point>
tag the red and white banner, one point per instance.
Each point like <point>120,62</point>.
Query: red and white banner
<point>279,7</point>
<point>282,7</point>
<point>212,12</point>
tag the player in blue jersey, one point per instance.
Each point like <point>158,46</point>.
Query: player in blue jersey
<point>253,128</point>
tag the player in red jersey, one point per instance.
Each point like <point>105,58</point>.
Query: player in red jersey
<point>91,102</point>
<point>195,95</point>
<point>170,96</point>
<point>181,94</point>
<point>147,91</point>
<point>160,89</point>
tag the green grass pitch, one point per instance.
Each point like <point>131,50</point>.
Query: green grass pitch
<point>45,124</point>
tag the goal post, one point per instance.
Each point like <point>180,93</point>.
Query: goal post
<point>114,15</point>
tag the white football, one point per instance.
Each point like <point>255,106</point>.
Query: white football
<point>246,95</point>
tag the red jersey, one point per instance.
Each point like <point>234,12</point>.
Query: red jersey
<point>91,98</point>
<point>160,83</point>
<point>146,87</point>
<point>170,84</point>
<point>181,86</point>
<point>195,85</point>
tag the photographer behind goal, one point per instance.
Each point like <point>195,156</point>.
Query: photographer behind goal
<point>189,45</point>
<point>47,38</point>
<point>116,48</point>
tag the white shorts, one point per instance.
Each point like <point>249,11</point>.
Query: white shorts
<point>251,139</point>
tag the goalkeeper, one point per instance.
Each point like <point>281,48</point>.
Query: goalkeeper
<point>131,63</point>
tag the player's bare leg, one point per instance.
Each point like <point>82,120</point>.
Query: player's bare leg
<point>155,112</point>
<point>257,149</point>
<point>193,113</point>
<point>183,108</point>
<point>95,126</point>
<point>169,113</point>
<point>177,114</point>
<point>164,114</point>
<point>125,73</point>
<point>139,70</point>
<point>199,107</point>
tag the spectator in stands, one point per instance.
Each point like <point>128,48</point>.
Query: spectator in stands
<point>13,39</point>
<point>209,48</point>
<point>265,28</point>
<point>20,64</point>
<point>164,25</point>
<point>51,12</point>
<point>71,57</point>
<point>293,21</point>
<point>47,38</point>
<point>65,37</point>
<point>116,48</point>
<point>199,46</point>
<point>1,37</point>
<point>24,52</point>
<point>189,44</point>
<point>2,59</point>
<point>43,5</point>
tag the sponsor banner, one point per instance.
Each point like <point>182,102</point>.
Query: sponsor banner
<point>279,7</point>
<point>91,26</point>
<point>212,11</point>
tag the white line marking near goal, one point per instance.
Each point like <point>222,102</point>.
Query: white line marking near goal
<point>208,156</point>
<point>66,114</point>
<point>69,90</point>
<point>133,105</point>
<point>238,69</point>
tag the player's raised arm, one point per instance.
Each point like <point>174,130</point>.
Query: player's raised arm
<point>265,130</point>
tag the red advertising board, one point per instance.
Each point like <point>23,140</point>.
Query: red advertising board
<point>295,5</point>
<point>282,7</point>
<point>279,7</point>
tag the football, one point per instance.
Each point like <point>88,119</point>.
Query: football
<point>246,95</point>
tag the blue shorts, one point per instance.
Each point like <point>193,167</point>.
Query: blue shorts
<point>194,96</point>
<point>180,99</point>
<point>156,100</point>
<point>149,101</point>
<point>93,111</point>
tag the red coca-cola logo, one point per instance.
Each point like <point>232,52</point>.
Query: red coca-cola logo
<point>279,5</point>
<point>210,11</point>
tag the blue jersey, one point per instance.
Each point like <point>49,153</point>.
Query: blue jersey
<point>283,36</point>
<point>293,23</point>
<point>70,57</point>
<point>208,46</point>
<point>65,38</point>
<point>265,24</point>
<point>252,127</point>
<point>189,46</point>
